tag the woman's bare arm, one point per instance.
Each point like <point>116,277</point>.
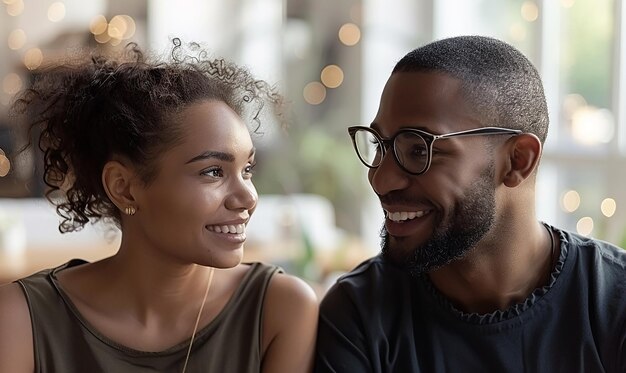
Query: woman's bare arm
<point>289,326</point>
<point>16,337</point>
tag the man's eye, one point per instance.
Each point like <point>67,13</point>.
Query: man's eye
<point>419,150</point>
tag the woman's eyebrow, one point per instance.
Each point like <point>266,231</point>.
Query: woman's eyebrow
<point>222,156</point>
<point>226,157</point>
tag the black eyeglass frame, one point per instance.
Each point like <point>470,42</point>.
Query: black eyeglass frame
<point>429,138</point>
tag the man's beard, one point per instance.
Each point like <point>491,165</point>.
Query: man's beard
<point>469,221</point>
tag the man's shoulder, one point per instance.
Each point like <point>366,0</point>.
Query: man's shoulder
<point>369,282</point>
<point>604,253</point>
<point>375,270</point>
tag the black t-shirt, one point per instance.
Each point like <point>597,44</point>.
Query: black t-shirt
<point>377,319</point>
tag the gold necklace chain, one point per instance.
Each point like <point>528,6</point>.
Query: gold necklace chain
<point>195,328</point>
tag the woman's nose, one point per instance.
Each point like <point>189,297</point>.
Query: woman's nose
<point>243,197</point>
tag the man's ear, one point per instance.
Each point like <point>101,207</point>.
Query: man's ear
<point>118,180</point>
<point>524,152</point>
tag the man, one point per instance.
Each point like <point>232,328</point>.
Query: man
<point>468,280</point>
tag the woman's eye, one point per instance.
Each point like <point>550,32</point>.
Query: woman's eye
<point>213,172</point>
<point>249,170</point>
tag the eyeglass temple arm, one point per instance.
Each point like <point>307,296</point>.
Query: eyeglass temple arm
<point>482,131</point>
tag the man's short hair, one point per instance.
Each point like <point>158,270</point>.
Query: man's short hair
<point>498,80</point>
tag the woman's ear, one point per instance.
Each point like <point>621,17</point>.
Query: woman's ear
<point>524,152</point>
<point>117,180</point>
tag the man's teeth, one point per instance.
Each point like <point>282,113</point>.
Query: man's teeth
<point>404,215</point>
<point>237,228</point>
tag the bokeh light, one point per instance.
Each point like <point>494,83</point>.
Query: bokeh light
<point>570,201</point>
<point>15,8</point>
<point>530,11</point>
<point>56,11</point>
<point>12,83</point>
<point>33,58</point>
<point>102,38</point>
<point>5,165</point>
<point>121,27</point>
<point>592,126</point>
<point>349,34</point>
<point>332,76</point>
<point>584,226</point>
<point>517,31</point>
<point>314,93</point>
<point>98,25</point>
<point>608,207</point>
<point>17,39</point>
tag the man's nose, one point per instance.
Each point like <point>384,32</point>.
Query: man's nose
<point>388,176</point>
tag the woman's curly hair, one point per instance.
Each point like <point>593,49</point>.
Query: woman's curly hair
<point>89,111</point>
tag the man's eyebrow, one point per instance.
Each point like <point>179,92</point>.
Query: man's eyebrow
<point>226,157</point>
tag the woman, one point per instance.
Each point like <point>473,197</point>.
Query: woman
<point>161,150</point>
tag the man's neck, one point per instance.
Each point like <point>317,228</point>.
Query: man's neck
<point>498,274</point>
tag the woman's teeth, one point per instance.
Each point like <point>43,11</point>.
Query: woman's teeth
<point>237,228</point>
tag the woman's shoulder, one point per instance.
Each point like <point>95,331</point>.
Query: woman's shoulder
<point>290,324</point>
<point>16,343</point>
<point>286,288</point>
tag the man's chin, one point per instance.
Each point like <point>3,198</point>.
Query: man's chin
<point>418,258</point>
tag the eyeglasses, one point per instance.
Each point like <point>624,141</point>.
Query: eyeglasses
<point>412,148</point>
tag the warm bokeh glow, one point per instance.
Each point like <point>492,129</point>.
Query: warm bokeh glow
<point>608,207</point>
<point>332,76</point>
<point>56,11</point>
<point>584,226</point>
<point>592,126</point>
<point>15,8</point>
<point>102,38</point>
<point>98,25</point>
<point>117,27</point>
<point>349,34</point>
<point>530,11</point>
<point>570,201</point>
<point>17,39</point>
<point>12,83</point>
<point>517,31</point>
<point>121,27</point>
<point>567,3</point>
<point>5,165</point>
<point>33,58</point>
<point>314,93</point>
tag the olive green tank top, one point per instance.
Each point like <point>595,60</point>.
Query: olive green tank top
<point>64,342</point>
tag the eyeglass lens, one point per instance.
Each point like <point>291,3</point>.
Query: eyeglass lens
<point>411,150</point>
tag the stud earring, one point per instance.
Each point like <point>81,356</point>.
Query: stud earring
<point>130,210</point>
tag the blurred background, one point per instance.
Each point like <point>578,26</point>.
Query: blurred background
<point>317,216</point>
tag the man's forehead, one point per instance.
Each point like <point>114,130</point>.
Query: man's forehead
<point>430,101</point>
